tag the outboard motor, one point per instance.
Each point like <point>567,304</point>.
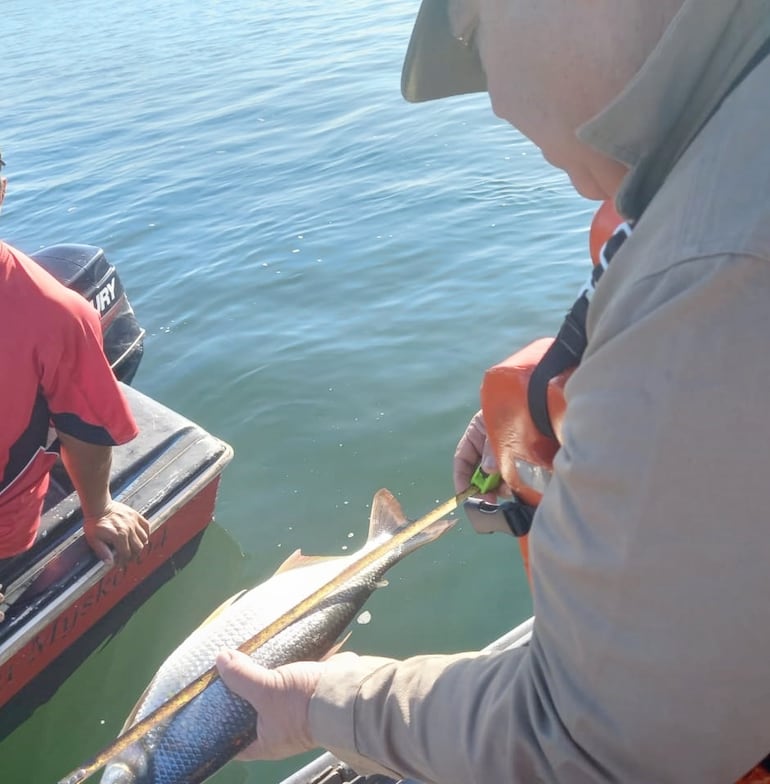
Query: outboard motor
<point>85,269</point>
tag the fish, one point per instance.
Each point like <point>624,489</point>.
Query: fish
<point>214,726</point>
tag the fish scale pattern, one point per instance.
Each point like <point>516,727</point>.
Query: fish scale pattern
<point>206,734</point>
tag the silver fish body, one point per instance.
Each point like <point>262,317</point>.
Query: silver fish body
<point>213,727</point>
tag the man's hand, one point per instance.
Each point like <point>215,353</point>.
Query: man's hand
<point>473,450</point>
<point>280,697</point>
<point>107,523</point>
<point>117,535</point>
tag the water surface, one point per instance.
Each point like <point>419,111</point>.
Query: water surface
<point>324,272</point>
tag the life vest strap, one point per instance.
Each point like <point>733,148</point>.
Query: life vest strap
<point>567,348</point>
<point>565,352</point>
<point>519,516</point>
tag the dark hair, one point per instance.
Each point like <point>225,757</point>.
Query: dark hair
<point>2,162</point>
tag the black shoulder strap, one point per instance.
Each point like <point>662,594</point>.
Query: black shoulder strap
<point>567,349</point>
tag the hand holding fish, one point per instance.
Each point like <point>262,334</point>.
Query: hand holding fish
<point>280,697</point>
<point>279,678</point>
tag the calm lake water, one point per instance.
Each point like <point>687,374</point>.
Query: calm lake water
<point>324,272</point>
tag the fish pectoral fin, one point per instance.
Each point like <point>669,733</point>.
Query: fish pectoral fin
<point>387,515</point>
<point>131,718</point>
<point>336,647</point>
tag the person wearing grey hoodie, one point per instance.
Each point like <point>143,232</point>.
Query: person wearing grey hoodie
<point>650,548</point>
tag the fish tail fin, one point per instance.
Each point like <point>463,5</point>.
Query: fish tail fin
<point>387,517</point>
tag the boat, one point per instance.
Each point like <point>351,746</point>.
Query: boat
<point>60,599</point>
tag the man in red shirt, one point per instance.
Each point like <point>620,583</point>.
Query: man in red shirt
<point>53,373</point>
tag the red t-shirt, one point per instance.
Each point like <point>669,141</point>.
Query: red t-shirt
<point>52,372</point>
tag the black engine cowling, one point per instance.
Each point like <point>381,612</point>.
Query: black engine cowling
<point>85,269</point>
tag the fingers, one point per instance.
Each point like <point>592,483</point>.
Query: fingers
<point>122,547</point>
<point>469,452</point>
<point>488,459</point>
<point>103,552</point>
<point>137,539</point>
<point>243,675</point>
<point>473,450</point>
<point>119,535</point>
<point>280,697</point>
<point>144,526</point>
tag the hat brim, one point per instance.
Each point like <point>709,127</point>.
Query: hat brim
<point>437,64</point>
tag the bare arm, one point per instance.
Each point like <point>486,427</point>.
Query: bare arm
<point>110,526</point>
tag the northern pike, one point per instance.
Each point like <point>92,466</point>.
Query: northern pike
<point>216,724</point>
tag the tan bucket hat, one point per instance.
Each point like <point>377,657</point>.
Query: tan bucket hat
<point>437,63</point>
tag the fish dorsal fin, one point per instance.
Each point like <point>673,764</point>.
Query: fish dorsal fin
<point>222,607</point>
<point>298,559</point>
<point>387,515</point>
<point>294,560</point>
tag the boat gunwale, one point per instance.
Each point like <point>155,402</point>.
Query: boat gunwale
<point>99,569</point>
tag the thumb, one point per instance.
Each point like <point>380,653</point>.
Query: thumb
<point>242,675</point>
<point>488,459</point>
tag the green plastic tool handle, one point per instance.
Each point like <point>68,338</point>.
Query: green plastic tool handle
<point>485,482</point>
